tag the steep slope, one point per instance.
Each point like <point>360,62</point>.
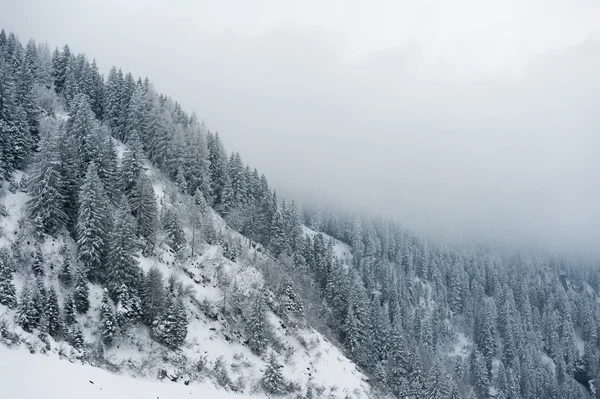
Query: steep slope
<point>214,351</point>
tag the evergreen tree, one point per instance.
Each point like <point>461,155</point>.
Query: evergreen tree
<point>272,379</point>
<point>129,306</point>
<point>91,224</point>
<point>15,137</point>
<point>28,315</point>
<point>217,167</point>
<point>8,295</point>
<point>121,265</point>
<point>66,275</point>
<point>60,61</point>
<point>437,382</point>
<point>70,311</point>
<point>227,203</point>
<point>153,296</point>
<point>46,187</point>
<point>171,329</point>
<point>131,168</point>
<point>53,313</point>
<point>257,327</point>
<point>95,89</point>
<point>200,202</point>
<point>181,322</point>
<point>352,332</point>
<point>76,337</point>
<point>172,226</point>
<point>290,304</point>
<point>278,243</point>
<point>81,293</point>
<point>479,373</point>
<point>107,318</point>
<point>112,106</point>
<point>196,211</point>
<point>70,175</point>
<point>107,164</point>
<point>37,266</point>
<point>144,209</point>
<point>416,378</point>
<point>83,129</point>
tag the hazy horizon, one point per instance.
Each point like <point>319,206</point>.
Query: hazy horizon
<point>463,121</point>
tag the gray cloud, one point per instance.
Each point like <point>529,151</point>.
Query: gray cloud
<point>489,133</point>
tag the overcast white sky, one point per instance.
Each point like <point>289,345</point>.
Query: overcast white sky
<point>460,118</point>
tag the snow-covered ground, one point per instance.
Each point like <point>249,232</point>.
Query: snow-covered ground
<point>26,376</point>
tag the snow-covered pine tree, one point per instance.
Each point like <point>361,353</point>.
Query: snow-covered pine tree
<point>200,202</point>
<point>15,137</point>
<point>53,313</point>
<point>217,158</point>
<point>113,99</point>
<point>227,203</point>
<point>416,377</point>
<point>28,315</point>
<point>352,332</point>
<point>107,319</point>
<point>45,185</point>
<point>277,240</point>
<point>121,265</point>
<point>195,158</point>
<point>81,293</point>
<point>182,322</point>
<point>272,379</point>
<point>136,112</point>
<point>60,61</point>
<point>290,304</point>
<point>170,330</point>
<point>196,209</point>
<point>153,296</point>
<point>437,382</point>
<point>237,177</point>
<point>479,373</point>
<point>65,275</point>
<point>8,293</point>
<point>42,298</point>
<point>130,171</point>
<point>71,177</point>
<point>25,95</point>
<point>96,90</point>
<point>76,337</point>
<point>70,312</point>
<point>129,306</point>
<point>91,224</point>
<point>144,209</point>
<point>83,129</point>
<point>257,328</point>
<point>107,163</point>
<point>173,229</point>
<point>37,267</point>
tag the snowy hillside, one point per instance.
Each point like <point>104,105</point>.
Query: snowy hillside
<point>212,343</point>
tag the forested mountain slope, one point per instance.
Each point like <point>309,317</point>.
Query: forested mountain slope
<point>131,240</point>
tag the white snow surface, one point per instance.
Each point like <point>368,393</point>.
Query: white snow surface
<point>27,376</point>
<point>462,347</point>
